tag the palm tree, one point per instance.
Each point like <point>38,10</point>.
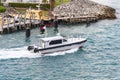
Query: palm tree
<point>44,1</point>
<point>61,1</point>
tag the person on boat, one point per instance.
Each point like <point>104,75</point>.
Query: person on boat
<point>43,28</point>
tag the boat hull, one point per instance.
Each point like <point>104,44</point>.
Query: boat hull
<point>59,48</point>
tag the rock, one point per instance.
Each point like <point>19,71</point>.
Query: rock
<point>78,8</point>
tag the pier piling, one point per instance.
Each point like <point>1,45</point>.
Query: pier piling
<point>27,31</point>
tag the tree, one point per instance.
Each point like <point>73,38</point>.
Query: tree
<point>52,4</point>
<point>2,9</point>
<point>44,1</point>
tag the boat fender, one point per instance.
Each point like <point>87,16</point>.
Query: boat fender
<point>30,47</point>
<point>36,50</point>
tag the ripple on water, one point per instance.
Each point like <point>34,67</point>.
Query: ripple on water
<point>98,60</point>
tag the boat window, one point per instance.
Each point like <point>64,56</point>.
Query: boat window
<point>55,42</point>
<point>64,40</point>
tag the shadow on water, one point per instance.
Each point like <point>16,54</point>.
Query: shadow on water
<point>83,50</point>
<point>56,30</point>
<point>88,24</point>
<point>27,40</point>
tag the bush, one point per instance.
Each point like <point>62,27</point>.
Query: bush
<point>1,4</point>
<point>2,9</point>
<point>32,5</point>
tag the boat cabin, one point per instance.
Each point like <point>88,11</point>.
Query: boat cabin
<point>52,41</point>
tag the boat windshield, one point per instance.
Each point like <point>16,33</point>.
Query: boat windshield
<point>64,40</point>
<point>55,42</point>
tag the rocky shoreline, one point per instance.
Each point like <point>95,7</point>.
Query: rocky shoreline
<point>79,8</point>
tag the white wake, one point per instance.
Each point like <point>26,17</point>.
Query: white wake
<point>24,53</point>
<point>17,53</point>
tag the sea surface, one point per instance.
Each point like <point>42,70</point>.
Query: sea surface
<point>99,59</point>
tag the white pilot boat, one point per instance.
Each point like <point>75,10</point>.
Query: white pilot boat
<point>56,44</point>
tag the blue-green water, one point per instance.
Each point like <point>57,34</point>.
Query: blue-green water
<point>98,60</point>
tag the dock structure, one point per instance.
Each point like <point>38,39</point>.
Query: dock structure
<point>76,19</point>
<point>13,20</point>
<point>11,24</point>
<point>80,19</point>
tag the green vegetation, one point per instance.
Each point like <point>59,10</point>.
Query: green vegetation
<point>22,6</point>
<point>44,1</point>
<point>2,9</point>
<point>32,5</point>
<point>1,4</point>
<point>58,2</point>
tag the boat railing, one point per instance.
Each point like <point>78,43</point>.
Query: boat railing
<point>73,37</point>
